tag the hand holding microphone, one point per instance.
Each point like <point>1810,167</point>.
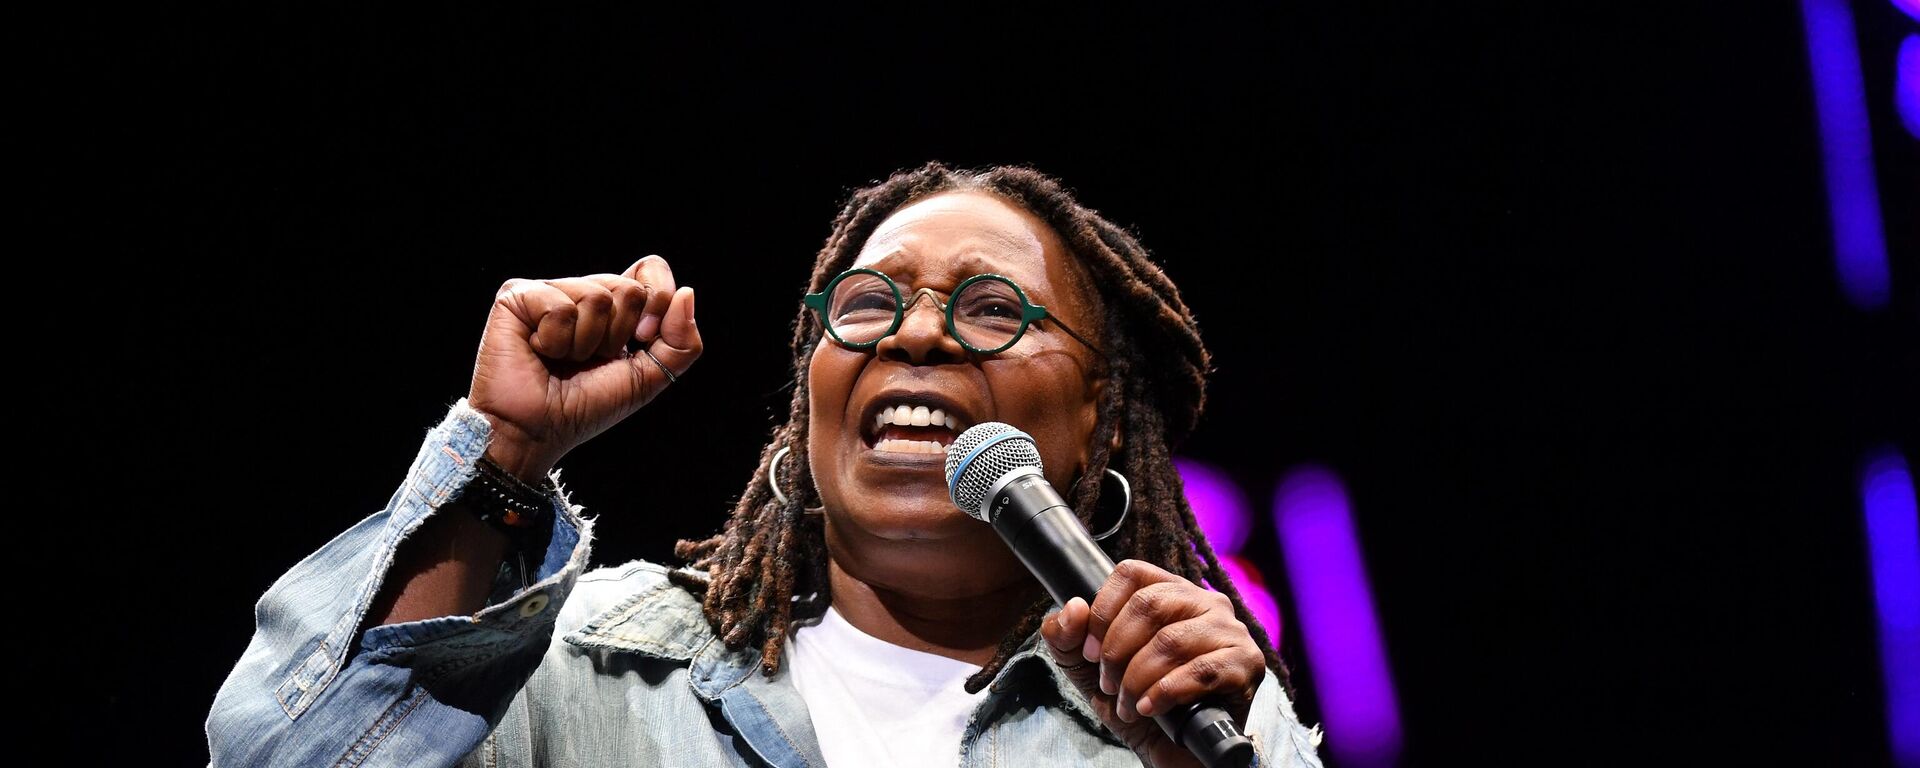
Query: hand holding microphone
<point>1135,639</point>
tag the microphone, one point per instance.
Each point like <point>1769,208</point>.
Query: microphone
<point>993,474</point>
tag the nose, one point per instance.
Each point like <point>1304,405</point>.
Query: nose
<point>922,338</point>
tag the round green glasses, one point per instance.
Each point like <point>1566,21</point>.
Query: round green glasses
<point>985,313</point>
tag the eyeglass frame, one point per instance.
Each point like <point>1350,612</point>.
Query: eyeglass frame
<point>1029,311</point>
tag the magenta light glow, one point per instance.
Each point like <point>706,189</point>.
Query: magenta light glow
<point>1253,591</point>
<point>1221,510</point>
<point>1218,504</point>
<point>1336,616</point>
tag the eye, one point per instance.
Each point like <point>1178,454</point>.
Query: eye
<point>989,301</point>
<point>861,296</point>
<point>866,300</point>
<point>997,308</point>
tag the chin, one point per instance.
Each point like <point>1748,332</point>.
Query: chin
<point>911,518</point>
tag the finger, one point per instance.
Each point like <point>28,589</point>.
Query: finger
<point>679,343</point>
<point>1150,609</point>
<point>595,312</point>
<point>653,273</point>
<point>1174,645</point>
<point>629,303</point>
<point>1128,576</point>
<point>1230,671</point>
<point>1066,632</point>
<point>547,312</point>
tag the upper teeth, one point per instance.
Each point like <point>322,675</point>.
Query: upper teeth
<point>915,416</point>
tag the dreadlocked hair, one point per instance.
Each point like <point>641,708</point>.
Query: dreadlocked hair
<point>770,559</point>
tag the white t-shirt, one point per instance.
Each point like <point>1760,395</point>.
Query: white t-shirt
<point>874,703</point>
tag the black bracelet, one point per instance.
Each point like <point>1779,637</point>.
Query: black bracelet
<point>506,502</point>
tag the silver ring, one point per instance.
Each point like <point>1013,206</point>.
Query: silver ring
<point>663,366</point>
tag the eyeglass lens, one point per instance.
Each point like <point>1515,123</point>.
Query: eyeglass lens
<point>986,314</point>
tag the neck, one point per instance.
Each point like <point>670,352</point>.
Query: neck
<point>931,617</point>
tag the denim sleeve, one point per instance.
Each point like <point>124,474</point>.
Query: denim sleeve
<point>1280,740</point>
<point>419,693</point>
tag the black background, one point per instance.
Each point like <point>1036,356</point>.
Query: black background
<point>1552,290</point>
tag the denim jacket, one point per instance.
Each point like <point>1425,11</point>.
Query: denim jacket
<point>635,678</point>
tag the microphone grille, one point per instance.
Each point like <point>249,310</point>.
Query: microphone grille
<point>981,455</point>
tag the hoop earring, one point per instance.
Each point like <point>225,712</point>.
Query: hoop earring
<point>773,481</point>
<point>1126,504</point>
<point>773,475</point>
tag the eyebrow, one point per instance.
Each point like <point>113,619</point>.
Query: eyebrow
<point>970,261</point>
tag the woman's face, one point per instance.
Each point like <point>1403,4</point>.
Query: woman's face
<point>881,492</point>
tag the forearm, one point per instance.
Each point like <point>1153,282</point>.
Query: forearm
<point>450,565</point>
<point>446,568</point>
<point>403,613</point>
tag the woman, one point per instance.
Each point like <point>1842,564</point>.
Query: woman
<point>848,613</point>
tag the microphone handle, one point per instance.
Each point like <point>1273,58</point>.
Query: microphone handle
<point>1043,531</point>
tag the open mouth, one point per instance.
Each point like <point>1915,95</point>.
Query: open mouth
<point>902,427</point>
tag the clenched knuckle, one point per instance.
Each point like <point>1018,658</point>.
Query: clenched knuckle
<point>596,302</point>
<point>1175,600</point>
<point>1146,602</point>
<point>1172,640</point>
<point>1102,609</point>
<point>1206,671</point>
<point>1248,667</point>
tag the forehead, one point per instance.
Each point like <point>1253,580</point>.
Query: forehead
<point>958,234</point>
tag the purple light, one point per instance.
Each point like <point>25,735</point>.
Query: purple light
<point>1906,85</point>
<point>1912,7</point>
<point>1853,202</point>
<point>1217,505</point>
<point>1337,620</point>
<point>1893,544</point>
<point>1253,591</point>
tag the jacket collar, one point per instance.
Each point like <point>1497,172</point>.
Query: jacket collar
<point>663,621</point>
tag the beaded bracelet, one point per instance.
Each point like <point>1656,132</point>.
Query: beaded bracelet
<point>506,502</point>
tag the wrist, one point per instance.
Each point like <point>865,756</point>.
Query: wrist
<point>519,462</point>
<point>517,452</point>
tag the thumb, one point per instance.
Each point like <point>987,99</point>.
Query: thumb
<point>1069,644</point>
<point>679,342</point>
